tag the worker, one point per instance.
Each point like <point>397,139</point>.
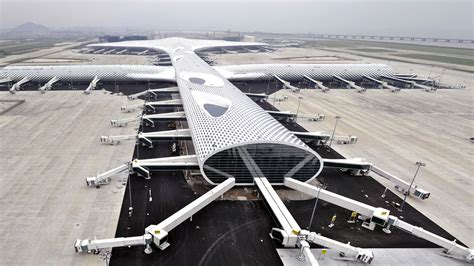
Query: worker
<point>333,219</point>
<point>353,217</point>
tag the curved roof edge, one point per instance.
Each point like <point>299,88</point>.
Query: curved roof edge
<point>168,44</point>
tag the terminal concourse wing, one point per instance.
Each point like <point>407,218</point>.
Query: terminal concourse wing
<point>249,72</point>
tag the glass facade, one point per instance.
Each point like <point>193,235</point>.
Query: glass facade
<point>270,160</point>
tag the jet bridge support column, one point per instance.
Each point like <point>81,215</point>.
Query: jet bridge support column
<point>382,217</point>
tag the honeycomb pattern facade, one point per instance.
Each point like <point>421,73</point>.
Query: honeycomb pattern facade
<point>76,73</point>
<point>244,124</point>
<point>85,73</point>
<point>321,72</point>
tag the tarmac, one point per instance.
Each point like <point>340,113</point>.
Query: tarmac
<point>17,58</point>
<point>392,256</point>
<point>63,149</point>
<point>232,232</point>
<point>49,144</point>
<point>397,129</point>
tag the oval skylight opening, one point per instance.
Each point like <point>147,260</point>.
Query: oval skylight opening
<point>198,81</point>
<point>215,110</point>
<point>213,105</point>
<point>202,79</point>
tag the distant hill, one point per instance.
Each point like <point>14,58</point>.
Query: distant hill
<point>29,29</point>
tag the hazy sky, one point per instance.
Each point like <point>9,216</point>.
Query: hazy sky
<point>442,18</point>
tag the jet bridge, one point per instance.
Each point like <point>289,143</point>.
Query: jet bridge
<point>148,138</point>
<point>291,235</point>
<point>229,51</point>
<point>157,233</point>
<point>349,84</point>
<point>144,166</point>
<point>109,51</point>
<point>92,86</point>
<point>144,52</point>
<point>257,97</point>
<point>423,81</point>
<point>359,166</point>
<point>17,86</point>
<point>287,116</point>
<point>424,87</point>
<point>286,84</point>
<point>152,105</point>
<point>321,138</point>
<point>121,52</point>
<point>317,84</point>
<point>249,50</point>
<point>381,84</point>
<point>154,92</point>
<point>405,83</point>
<point>411,83</point>
<point>49,85</point>
<point>379,216</point>
<point>313,117</point>
<point>149,119</point>
<point>99,51</point>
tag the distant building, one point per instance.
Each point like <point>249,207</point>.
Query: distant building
<point>232,39</point>
<point>118,38</point>
<point>134,38</point>
<point>248,38</point>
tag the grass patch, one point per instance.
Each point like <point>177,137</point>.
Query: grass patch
<point>373,50</point>
<point>439,58</point>
<point>396,46</point>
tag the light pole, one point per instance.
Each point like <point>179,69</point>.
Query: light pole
<point>334,130</point>
<point>418,164</point>
<point>314,209</point>
<point>298,109</point>
<point>268,85</point>
<point>275,94</point>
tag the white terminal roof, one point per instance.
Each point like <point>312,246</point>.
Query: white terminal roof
<point>219,115</point>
